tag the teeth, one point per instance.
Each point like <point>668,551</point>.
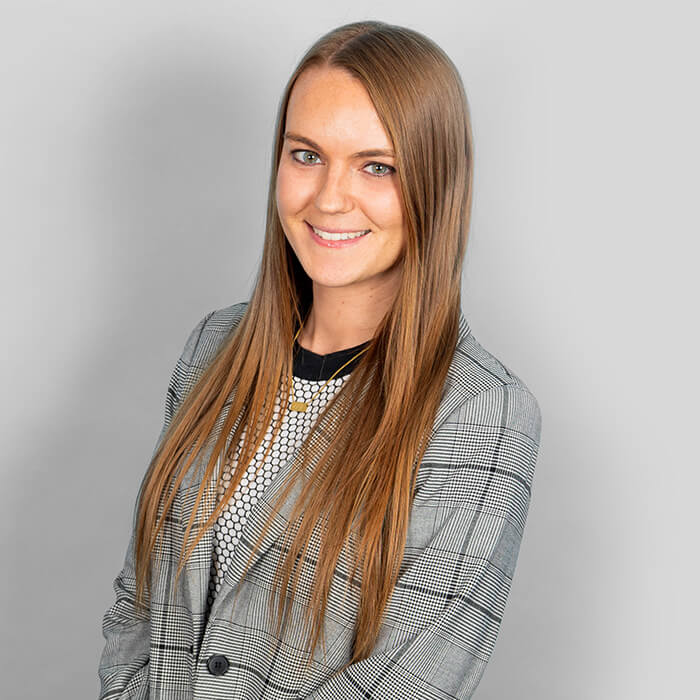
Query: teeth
<point>338,236</point>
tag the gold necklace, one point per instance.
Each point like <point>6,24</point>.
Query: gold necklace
<point>303,405</point>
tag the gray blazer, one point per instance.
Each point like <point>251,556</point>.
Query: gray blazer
<point>440,627</point>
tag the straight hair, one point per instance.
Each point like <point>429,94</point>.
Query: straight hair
<point>357,484</point>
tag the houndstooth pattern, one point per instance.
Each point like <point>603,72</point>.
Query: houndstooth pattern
<point>472,496</point>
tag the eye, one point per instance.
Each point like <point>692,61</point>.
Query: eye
<point>304,156</point>
<point>304,160</point>
<point>388,169</point>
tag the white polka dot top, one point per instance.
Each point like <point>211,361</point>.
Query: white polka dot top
<point>310,372</point>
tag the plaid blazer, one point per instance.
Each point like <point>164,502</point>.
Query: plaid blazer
<point>440,627</point>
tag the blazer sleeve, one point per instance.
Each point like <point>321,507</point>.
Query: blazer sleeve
<point>467,521</point>
<point>124,663</point>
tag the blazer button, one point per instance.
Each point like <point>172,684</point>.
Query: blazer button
<point>217,664</point>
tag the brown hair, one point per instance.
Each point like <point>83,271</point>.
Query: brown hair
<point>420,99</point>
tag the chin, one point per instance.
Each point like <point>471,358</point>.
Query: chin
<point>321,281</point>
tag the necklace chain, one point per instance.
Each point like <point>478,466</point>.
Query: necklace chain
<point>303,405</point>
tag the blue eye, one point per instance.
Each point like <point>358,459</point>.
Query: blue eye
<point>388,169</point>
<point>304,161</point>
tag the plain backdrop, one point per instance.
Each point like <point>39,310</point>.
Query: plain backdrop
<point>135,145</point>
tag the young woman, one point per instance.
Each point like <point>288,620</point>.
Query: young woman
<point>336,500</point>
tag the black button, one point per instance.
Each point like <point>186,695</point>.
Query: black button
<point>217,664</point>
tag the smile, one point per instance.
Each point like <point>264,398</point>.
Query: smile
<point>345,235</point>
<point>336,239</point>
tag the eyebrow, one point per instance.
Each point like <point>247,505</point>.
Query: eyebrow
<point>369,153</point>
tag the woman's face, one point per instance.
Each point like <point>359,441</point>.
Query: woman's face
<point>336,174</point>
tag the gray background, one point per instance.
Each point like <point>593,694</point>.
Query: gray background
<point>135,144</point>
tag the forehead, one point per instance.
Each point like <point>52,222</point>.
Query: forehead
<point>333,108</point>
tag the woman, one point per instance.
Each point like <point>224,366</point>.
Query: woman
<point>336,501</point>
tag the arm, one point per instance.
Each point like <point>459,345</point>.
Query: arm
<point>467,521</point>
<point>124,664</point>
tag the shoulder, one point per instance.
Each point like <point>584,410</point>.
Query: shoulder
<point>226,319</point>
<point>488,395</point>
<point>211,331</point>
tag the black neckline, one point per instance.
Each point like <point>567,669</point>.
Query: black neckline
<point>310,365</point>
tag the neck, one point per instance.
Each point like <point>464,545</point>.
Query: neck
<point>340,319</point>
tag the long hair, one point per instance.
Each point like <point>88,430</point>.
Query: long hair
<point>364,476</point>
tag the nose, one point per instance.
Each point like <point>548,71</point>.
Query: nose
<point>334,191</point>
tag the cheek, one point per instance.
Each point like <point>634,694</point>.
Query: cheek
<point>384,207</point>
<point>283,190</point>
<point>293,191</point>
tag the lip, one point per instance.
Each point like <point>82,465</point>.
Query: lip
<point>336,244</point>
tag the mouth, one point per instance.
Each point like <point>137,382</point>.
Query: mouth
<point>336,239</point>
<point>337,234</point>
